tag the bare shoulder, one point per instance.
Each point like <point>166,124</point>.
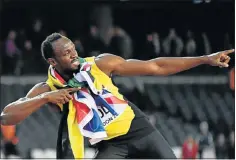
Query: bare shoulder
<point>39,88</point>
<point>107,62</point>
<point>108,56</point>
<point>104,55</point>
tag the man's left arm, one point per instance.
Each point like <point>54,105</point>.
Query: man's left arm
<point>109,63</point>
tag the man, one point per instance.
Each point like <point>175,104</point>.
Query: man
<point>10,140</point>
<point>138,138</point>
<point>189,148</point>
<point>232,79</point>
<point>205,139</point>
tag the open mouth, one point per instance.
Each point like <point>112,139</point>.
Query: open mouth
<point>75,62</point>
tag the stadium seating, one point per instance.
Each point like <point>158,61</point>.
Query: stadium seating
<point>177,111</point>
<point>183,107</point>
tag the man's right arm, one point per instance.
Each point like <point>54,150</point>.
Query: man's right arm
<point>17,111</point>
<point>39,95</point>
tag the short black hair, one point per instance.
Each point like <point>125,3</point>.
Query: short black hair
<point>46,46</point>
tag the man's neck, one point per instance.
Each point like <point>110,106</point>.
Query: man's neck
<point>66,76</point>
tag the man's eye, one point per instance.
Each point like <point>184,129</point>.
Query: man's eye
<point>67,53</point>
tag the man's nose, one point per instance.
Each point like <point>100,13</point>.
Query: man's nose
<point>73,55</point>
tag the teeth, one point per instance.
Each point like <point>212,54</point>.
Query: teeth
<point>76,62</point>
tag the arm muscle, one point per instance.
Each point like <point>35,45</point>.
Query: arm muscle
<point>17,111</point>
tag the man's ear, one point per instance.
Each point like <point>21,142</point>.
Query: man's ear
<point>52,61</point>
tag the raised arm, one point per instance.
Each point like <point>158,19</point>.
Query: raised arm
<point>109,63</point>
<point>39,95</point>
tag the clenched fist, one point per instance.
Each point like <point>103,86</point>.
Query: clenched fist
<point>61,96</point>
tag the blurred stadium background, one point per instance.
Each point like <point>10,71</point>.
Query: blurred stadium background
<point>193,106</point>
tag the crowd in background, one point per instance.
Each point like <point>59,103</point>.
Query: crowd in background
<point>223,146</point>
<point>21,49</point>
<point>20,55</point>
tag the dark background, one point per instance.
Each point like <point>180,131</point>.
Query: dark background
<point>176,108</point>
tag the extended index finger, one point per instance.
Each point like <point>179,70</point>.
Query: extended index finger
<point>73,89</point>
<point>228,51</point>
